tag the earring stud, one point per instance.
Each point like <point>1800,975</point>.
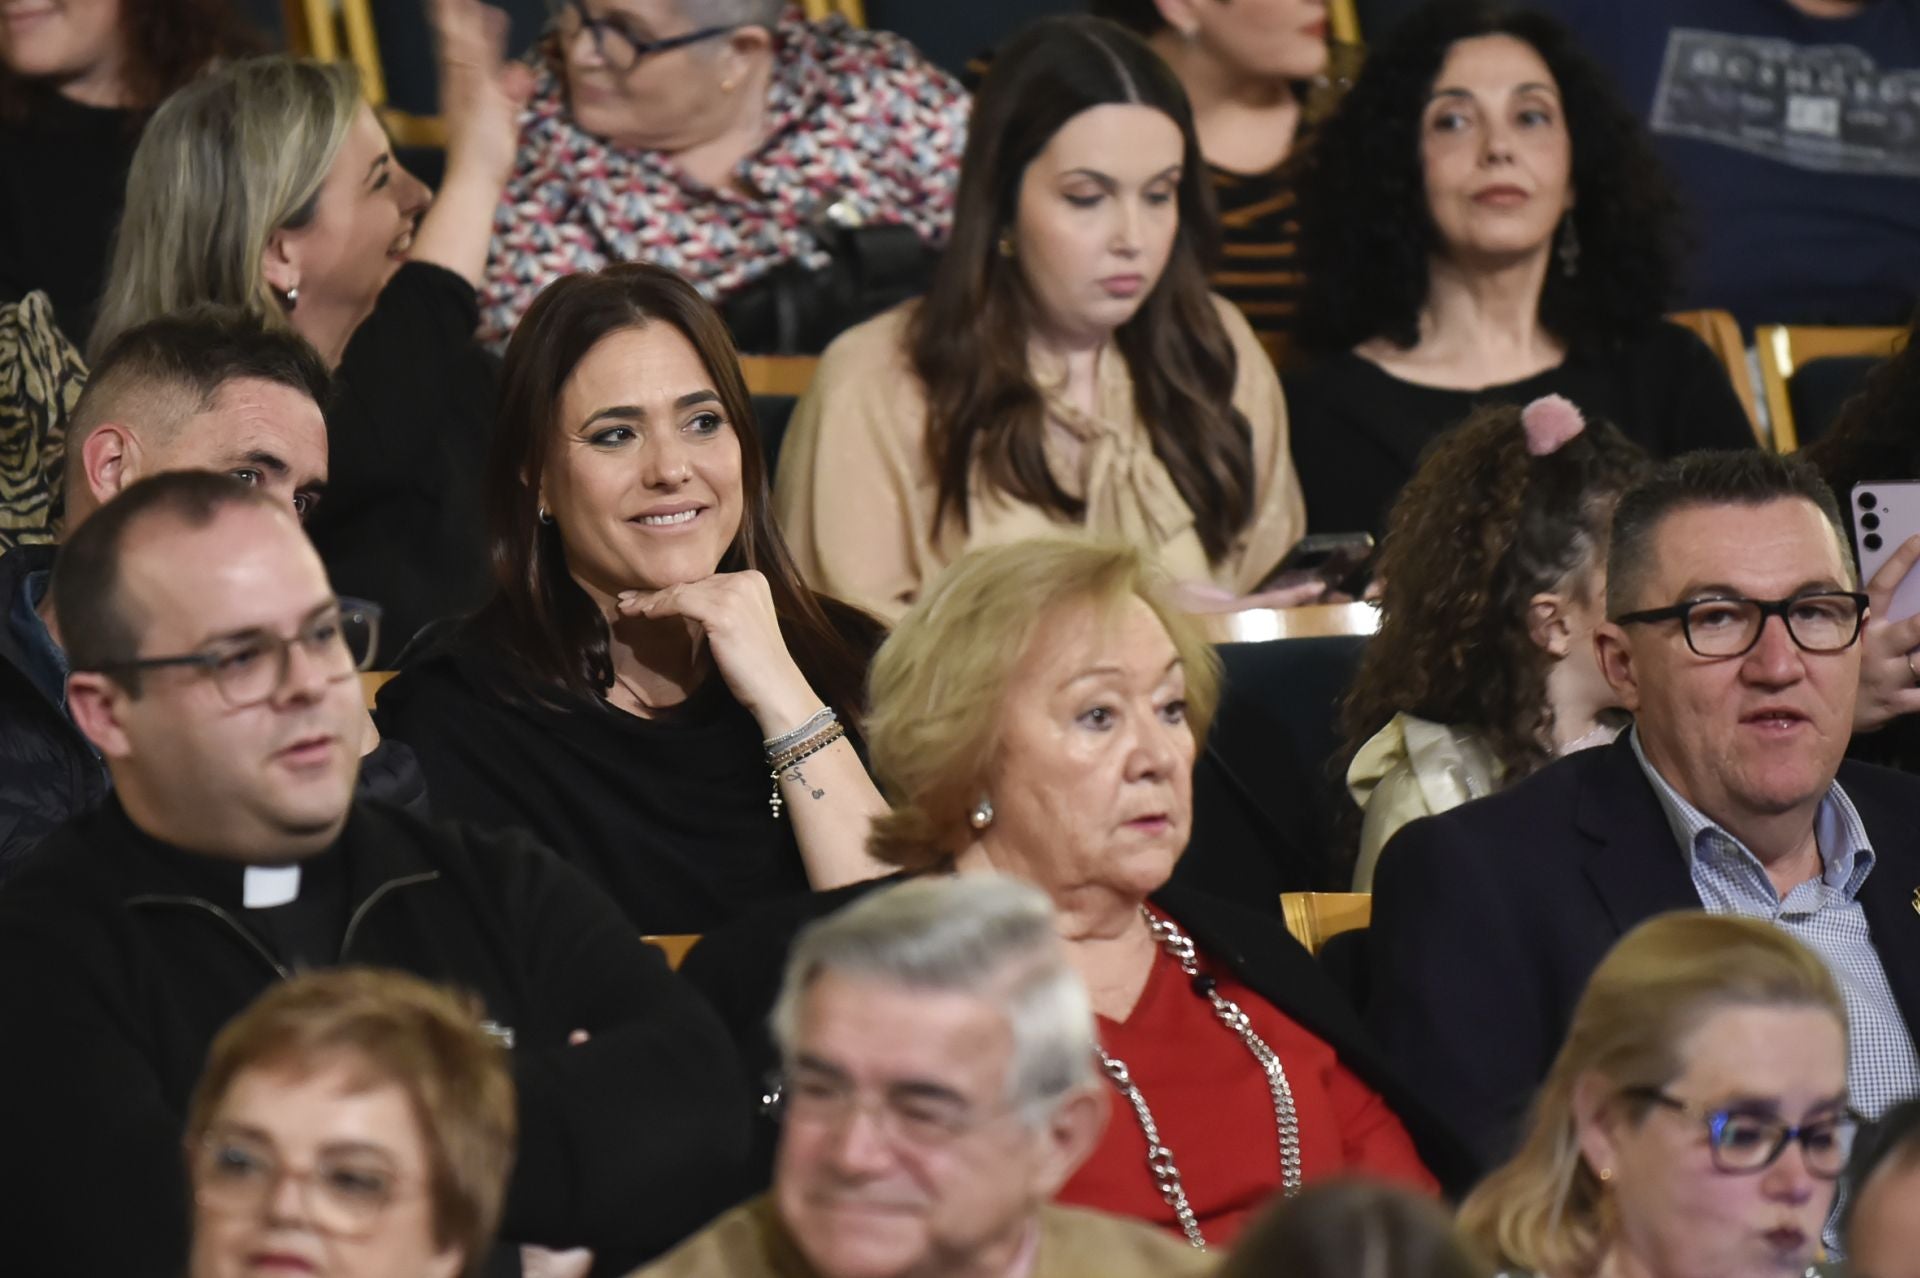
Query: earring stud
<point>982,815</point>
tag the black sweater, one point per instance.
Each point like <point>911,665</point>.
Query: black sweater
<point>669,815</point>
<point>1358,431</point>
<point>124,957</point>
<point>407,438</point>
<point>63,176</point>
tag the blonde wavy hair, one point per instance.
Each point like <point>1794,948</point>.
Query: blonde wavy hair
<point>1544,1211</point>
<point>938,687</point>
<point>225,162</point>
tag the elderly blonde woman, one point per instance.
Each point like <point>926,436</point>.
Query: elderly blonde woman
<point>269,184</point>
<point>735,143</point>
<point>385,1102</point>
<point>1037,715</point>
<point>1695,1120</point>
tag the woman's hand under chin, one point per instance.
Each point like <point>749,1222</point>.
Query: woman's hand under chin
<point>735,611</point>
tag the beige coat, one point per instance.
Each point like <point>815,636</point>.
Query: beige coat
<point>856,492</point>
<point>751,1242</point>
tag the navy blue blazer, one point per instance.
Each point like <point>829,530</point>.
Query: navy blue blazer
<point>1488,919</point>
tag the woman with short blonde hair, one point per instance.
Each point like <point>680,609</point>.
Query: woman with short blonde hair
<point>931,744</point>
<point>321,1059</point>
<point>1691,1019</point>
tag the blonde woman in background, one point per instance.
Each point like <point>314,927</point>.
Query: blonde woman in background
<point>270,184</point>
<point>1695,1120</point>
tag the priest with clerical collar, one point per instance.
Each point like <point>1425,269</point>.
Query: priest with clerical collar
<point>214,670</point>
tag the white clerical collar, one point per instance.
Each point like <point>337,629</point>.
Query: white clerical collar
<point>265,886</point>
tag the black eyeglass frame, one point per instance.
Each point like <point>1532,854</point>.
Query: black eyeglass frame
<point>1781,608</point>
<point>208,662</point>
<point>1716,1121</point>
<point>598,28</point>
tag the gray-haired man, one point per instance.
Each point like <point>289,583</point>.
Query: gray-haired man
<point>939,1088</point>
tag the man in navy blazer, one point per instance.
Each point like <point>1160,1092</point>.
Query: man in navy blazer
<point>1734,640</point>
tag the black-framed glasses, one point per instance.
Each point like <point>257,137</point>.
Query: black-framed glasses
<point>1744,1141</point>
<point>249,668</point>
<point>1730,626</point>
<point>345,1192</point>
<point>617,43</point>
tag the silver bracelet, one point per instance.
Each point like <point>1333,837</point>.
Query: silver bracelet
<point>777,746</point>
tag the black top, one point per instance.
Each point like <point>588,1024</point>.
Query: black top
<point>63,175</point>
<point>1489,918</point>
<point>123,961</point>
<point>1358,431</point>
<point>407,437</point>
<point>669,815</point>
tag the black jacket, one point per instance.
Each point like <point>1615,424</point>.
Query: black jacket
<point>739,969</point>
<point>49,771</point>
<point>1488,920</point>
<point>117,976</point>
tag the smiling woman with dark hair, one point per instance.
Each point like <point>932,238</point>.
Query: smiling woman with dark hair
<point>1068,368</point>
<point>1483,221</point>
<point>652,690</point>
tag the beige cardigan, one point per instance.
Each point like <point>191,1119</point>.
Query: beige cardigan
<point>856,491</point>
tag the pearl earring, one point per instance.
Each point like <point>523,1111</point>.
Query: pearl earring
<point>982,815</point>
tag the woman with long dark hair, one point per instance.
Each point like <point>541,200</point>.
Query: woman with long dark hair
<point>77,82</point>
<point>651,691</point>
<point>1482,221</point>
<point>1068,368</point>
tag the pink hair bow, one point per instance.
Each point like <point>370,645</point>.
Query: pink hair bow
<point>1550,422</point>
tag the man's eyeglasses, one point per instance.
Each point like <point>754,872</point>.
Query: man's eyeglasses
<point>617,43</point>
<point>345,1192</point>
<point>1744,1142</point>
<point>1729,626</point>
<point>250,668</point>
<point>926,1118</point>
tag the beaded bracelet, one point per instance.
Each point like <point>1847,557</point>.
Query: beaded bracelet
<point>805,750</point>
<point>777,746</point>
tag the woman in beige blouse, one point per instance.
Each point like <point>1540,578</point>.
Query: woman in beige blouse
<point>1068,368</point>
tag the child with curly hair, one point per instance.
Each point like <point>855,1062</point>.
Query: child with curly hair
<point>1494,571</point>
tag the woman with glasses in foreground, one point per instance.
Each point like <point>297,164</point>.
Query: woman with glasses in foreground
<point>352,1123</point>
<point>728,140</point>
<point>1695,1120</point>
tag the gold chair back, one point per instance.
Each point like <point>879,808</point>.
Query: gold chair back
<point>1783,348</point>
<point>1313,917</point>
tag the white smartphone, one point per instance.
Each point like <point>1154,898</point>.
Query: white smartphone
<point>1885,514</point>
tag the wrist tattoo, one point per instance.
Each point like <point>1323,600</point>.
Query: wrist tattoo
<point>800,779</point>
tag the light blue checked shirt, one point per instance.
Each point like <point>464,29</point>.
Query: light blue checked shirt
<point>1824,914</point>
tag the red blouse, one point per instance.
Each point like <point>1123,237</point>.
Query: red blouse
<point>1210,1100</point>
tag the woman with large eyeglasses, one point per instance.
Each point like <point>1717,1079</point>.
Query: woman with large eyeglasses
<point>1695,1120</point>
<point>352,1123</point>
<point>722,139</point>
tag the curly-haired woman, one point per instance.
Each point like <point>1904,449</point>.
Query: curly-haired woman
<point>77,81</point>
<point>1482,221</point>
<point>1495,571</point>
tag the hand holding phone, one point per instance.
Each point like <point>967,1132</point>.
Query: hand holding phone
<point>1337,561</point>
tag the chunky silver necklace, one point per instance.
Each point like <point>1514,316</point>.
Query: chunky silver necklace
<point>1166,1176</point>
